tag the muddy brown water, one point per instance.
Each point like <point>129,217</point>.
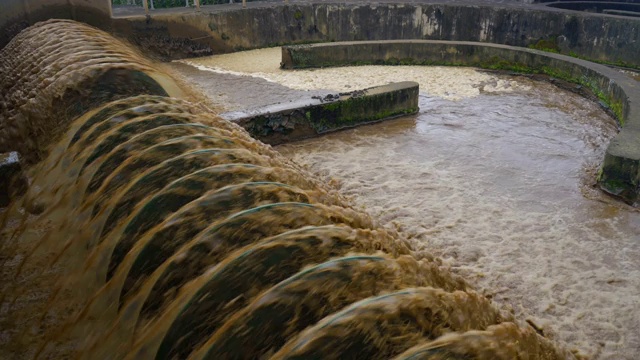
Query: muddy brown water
<point>501,187</point>
<point>153,228</point>
<point>495,175</point>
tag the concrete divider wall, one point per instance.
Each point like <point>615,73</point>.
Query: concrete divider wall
<point>621,167</point>
<point>299,120</point>
<point>225,29</point>
<point>17,15</point>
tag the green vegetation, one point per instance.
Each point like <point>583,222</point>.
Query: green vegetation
<point>615,186</point>
<point>615,106</point>
<point>551,45</point>
<point>618,62</point>
<point>497,63</point>
<point>548,45</point>
<point>358,110</point>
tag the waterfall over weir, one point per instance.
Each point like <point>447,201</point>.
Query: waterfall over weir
<point>57,70</point>
<point>164,232</point>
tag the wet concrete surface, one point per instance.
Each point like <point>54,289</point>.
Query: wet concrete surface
<point>233,92</point>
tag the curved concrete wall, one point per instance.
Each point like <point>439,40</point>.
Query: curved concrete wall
<point>17,15</point>
<point>621,167</point>
<point>227,28</point>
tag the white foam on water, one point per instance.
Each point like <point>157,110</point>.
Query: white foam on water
<point>495,176</point>
<point>449,83</point>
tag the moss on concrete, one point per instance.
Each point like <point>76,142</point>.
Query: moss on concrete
<point>548,45</point>
<point>356,111</point>
<point>351,109</point>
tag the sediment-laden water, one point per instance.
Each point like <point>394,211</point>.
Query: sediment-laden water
<point>57,70</point>
<point>494,174</point>
<point>155,229</point>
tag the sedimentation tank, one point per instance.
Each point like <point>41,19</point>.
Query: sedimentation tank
<point>152,228</point>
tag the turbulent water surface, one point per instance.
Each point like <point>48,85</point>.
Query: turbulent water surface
<point>494,174</point>
<point>152,228</point>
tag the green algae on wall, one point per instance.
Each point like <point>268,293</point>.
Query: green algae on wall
<point>334,112</point>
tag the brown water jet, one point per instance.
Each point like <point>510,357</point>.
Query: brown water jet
<point>57,70</point>
<point>506,341</point>
<point>383,326</point>
<point>302,300</point>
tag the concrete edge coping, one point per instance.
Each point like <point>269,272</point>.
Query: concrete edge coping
<point>620,172</point>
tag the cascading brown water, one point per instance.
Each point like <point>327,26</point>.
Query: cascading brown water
<point>504,341</point>
<point>166,232</point>
<point>57,70</point>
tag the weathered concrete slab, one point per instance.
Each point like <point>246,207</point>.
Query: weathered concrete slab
<point>620,174</point>
<point>307,118</point>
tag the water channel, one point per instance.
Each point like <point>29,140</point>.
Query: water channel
<point>494,175</point>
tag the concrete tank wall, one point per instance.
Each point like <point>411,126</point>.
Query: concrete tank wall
<point>225,29</point>
<point>596,37</point>
<point>17,15</point>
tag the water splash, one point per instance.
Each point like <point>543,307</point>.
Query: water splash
<point>501,342</point>
<point>57,70</point>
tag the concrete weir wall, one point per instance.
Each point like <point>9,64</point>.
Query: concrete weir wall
<point>294,121</point>
<point>225,29</point>
<point>621,167</point>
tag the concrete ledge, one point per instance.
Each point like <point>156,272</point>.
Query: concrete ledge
<point>621,167</point>
<point>295,121</point>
